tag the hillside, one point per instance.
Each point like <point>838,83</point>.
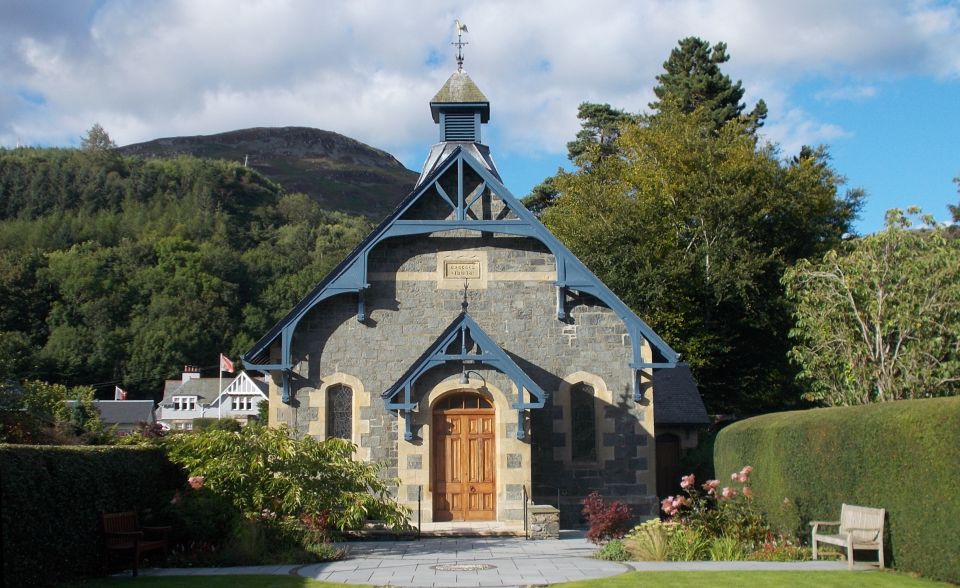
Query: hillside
<point>338,172</point>
<point>121,269</point>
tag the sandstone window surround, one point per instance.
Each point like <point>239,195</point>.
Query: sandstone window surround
<point>356,429</point>
<point>582,399</point>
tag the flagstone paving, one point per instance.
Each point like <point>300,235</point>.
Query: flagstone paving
<point>481,561</point>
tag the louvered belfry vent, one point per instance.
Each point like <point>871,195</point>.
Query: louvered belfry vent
<point>460,126</point>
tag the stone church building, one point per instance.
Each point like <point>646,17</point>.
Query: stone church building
<point>466,348</point>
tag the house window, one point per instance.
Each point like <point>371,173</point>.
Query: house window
<point>583,424</point>
<point>340,412</point>
<point>241,402</point>
<point>184,402</point>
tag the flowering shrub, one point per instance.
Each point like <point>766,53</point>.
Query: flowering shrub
<point>606,520</point>
<point>717,511</point>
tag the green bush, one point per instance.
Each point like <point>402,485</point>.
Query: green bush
<point>613,550</point>
<point>903,456</point>
<point>204,423</point>
<point>52,498</point>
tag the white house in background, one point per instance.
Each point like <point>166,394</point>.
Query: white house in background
<point>193,397</point>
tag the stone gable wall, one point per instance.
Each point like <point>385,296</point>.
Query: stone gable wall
<point>515,303</point>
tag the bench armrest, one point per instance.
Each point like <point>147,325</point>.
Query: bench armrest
<point>123,533</point>
<point>164,530</point>
<point>818,523</point>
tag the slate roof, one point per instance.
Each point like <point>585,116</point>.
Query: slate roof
<point>205,389</point>
<point>114,412</point>
<point>676,399</point>
<point>459,88</point>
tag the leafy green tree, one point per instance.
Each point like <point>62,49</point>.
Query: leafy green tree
<point>692,227</point>
<point>261,468</point>
<point>97,139</point>
<point>955,210</point>
<point>600,126</point>
<point>693,79</point>
<point>879,318</point>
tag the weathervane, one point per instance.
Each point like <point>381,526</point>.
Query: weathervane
<point>461,29</point>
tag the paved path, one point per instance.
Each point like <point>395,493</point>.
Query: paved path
<point>480,561</point>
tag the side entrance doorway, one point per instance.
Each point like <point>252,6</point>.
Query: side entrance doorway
<point>464,454</point>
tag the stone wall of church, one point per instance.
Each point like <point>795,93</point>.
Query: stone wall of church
<point>511,295</point>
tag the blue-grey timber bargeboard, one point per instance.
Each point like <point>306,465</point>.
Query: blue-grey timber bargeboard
<point>461,289</point>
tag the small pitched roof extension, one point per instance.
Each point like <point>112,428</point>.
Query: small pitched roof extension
<point>676,398</point>
<point>115,412</point>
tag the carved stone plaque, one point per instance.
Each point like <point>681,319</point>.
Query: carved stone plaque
<point>460,270</point>
<point>453,267</point>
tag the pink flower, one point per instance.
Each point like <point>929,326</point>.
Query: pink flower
<point>747,491</point>
<point>688,481</point>
<point>742,478</point>
<point>728,492</point>
<point>678,502</point>
<point>711,486</point>
<point>734,476</point>
<point>747,470</point>
<point>196,482</point>
<point>667,505</point>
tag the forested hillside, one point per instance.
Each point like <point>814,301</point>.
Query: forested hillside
<point>120,269</point>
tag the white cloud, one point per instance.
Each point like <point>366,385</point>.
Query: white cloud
<point>852,93</point>
<point>170,67</point>
<point>797,128</point>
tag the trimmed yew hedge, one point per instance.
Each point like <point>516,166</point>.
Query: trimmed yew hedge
<point>52,498</point>
<point>903,456</point>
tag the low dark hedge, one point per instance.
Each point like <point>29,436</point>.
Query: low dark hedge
<point>52,498</point>
<point>903,456</point>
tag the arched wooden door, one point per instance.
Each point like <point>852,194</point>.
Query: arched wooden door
<point>464,458</point>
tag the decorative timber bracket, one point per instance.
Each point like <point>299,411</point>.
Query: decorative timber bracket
<point>465,342</point>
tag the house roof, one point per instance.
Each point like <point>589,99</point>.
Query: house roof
<point>207,389</point>
<point>676,398</point>
<point>113,412</point>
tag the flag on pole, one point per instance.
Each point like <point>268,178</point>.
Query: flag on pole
<point>225,364</point>
<point>119,393</point>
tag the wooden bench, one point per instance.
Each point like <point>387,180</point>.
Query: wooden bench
<point>122,532</point>
<point>859,528</point>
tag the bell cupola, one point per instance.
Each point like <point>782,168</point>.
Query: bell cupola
<point>460,108</point>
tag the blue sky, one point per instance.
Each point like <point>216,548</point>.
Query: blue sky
<point>878,81</point>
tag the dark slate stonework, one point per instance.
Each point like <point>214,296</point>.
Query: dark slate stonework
<point>405,317</point>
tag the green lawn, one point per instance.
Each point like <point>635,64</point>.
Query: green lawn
<point>631,580</point>
<point>756,580</point>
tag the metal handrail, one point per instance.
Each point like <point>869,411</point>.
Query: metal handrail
<point>558,489</point>
<point>526,519</point>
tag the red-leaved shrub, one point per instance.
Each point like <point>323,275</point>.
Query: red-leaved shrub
<point>606,520</point>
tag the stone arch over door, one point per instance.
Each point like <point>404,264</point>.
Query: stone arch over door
<point>511,457</point>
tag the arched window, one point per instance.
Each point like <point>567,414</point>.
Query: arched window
<point>583,424</point>
<point>463,400</point>
<point>340,412</point>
